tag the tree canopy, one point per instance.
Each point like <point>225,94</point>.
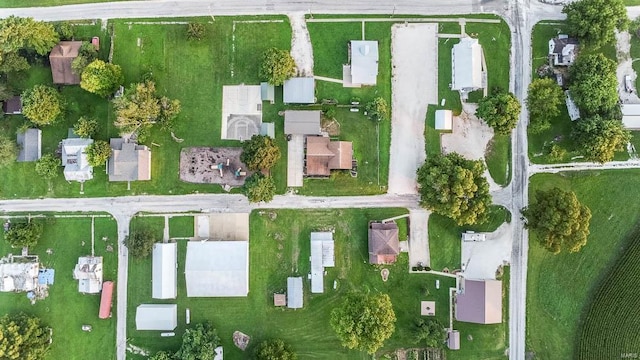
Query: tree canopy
<point>453,186</point>
<point>258,188</point>
<point>140,108</point>
<point>594,85</point>
<point>199,343</point>
<point>378,109</point>
<point>140,243</point>
<point>42,105</point>
<point>429,332</point>
<point>86,55</point>
<point>599,139</point>
<point>8,150</point>
<point>98,153</point>
<point>593,22</point>
<point>162,355</point>
<point>27,34</point>
<point>261,152</point>
<point>500,110</point>
<point>101,78</point>
<point>276,66</point>
<point>543,102</point>
<point>274,350</point>
<point>23,234</point>
<point>48,166</point>
<point>23,337</point>
<point>86,127</point>
<point>559,220</point>
<point>364,321</point>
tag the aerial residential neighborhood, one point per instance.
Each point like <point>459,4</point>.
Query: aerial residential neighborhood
<point>319,180</point>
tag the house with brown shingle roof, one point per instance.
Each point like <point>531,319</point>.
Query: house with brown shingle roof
<point>60,58</point>
<point>324,155</point>
<point>384,246</point>
<point>129,161</point>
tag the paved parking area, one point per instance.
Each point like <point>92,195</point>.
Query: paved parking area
<point>480,260</point>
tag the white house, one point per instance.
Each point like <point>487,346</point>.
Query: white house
<point>364,62</point>
<point>467,72</point>
<point>74,159</point>
<point>322,255</point>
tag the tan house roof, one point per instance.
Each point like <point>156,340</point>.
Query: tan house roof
<point>480,302</point>
<point>384,246</point>
<point>60,58</point>
<point>324,155</point>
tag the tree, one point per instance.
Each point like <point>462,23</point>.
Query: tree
<point>377,109</point>
<point>199,343</point>
<point>196,31</point>
<point>64,29</point>
<point>500,110</point>
<point>599,139</point>
<point>258,188</point>
<point>140,108</point>
<point>593,22</point>
<point>101,78</point>
<point>48,166</point>
<point>98,153</point>
<point>23,337</point>
<point>429,332</point>
<point>21,234</point>
<point>559,220</point>
<point>274,350</point>
<point>23,34</point>
<point>276,66</point>
<point>543,102</point>
<point>8,151</point>
<point>86,54</point>
<point>594,85</point>
<point>162,355</point>
<point>261,152</point>
<point>43,105</point>
<point>140,243</point>
<point>13,62</point>
<point>86,127</point>
<point>453,186</point>
<point>364,321</point>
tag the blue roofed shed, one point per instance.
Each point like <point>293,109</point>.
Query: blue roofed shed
<point>45,276</point>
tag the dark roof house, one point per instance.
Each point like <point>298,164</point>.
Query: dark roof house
<point>480,302</point>
<point>30,145</point>
<point>324,155</point>
<point>563,50</point>
<point>60,58</point>
<point>12,106</point>
<point>129,161</point>
<point>384,246</point>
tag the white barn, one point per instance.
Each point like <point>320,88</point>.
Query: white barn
<point>322,255</point>
<point>295,294</point>
<point>164,271</point>
<point>444,120</point>
<point>217,268</point>
<point>163,317</point>
<point>467,72</point>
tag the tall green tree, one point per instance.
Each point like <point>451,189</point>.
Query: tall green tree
<point>429,332</point>
<point>8,150</point>
<point>594,85</point>
<point>86,127</point>
<point>162,355</point>
<point>48,166</point>
<point>101,78</point>
<point>258,188</point>
<point>23,337</point>
<point>86,55</point>
<point>500,110</point>
<point>378,109</point>
<point>199,343</point>
<point>276,66</point>
<point>98,153</point>
<point>140,243</point>
<point>260,152</point>
<point>559,220</point>
<point>64,29</point>
<point>599,139</point>
<point>23,234</point>
<point>13,62</point>
<point>543,102</point>
<point>593,22</point>
<point>364,321</point>
<point>43,105</point>
<point>453,186</point>
<point>27,34</point>
<point>274,350</point>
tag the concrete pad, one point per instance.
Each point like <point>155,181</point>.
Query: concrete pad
<point>428,308</point>
<point>295,161</point>
<point>419,238</point>
<point>414,58</point>
<point>480,260</point>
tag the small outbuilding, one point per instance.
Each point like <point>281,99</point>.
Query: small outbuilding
<point>322,255</point>
<point>88,272</point>
<point>164,277</point>
<point>384,246</point>
<point>479,302</point>
<point>295,293</point>
<point>162,317</point>
<point>299,90</point>
<point>106,300</point>
<point>12,106</point>
<point>267,92</point>
<point>30,145</point>
<point>444,120</point>
<point>631,116</point>
<point>453,339</point>
<point>60,58</point>
<point>302,122</point>
<point>279,300</point>
<point>217,268</point>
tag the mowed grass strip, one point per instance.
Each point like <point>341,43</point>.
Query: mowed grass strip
<point>560,287</point>
<point>612,334</point>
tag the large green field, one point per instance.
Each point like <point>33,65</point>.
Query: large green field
<point>65,310</point>
<point>279,247</point>
<point>560,287</point>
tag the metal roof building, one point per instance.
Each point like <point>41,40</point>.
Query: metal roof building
<point>163,317</point>
<point>164,278</point>
<point>444,120</point>
<point>364,62</point>
<point>466,65</point>
<point>30,145</point>
<point>480,302</point>
<point>302,122</point>
<point>322,255</point>
<point>217,268</point>
<point>295,293</point>
<point>631,116</point>
<point>299,90</point>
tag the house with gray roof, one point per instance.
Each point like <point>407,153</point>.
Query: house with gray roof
<point>302,122</point>
<point>364,62</point>
<point>467,66</point>
<point>294,293</point>
<point>479,301</point>
<point>30,145</point>
<point>299,90</point>
<point>129,161</point>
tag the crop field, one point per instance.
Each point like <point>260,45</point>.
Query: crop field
<point>607,334</point>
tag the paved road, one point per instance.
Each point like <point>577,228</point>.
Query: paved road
<point>579,166</point>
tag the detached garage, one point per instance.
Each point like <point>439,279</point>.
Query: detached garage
<point>217,268</point>
<point>162,317</point>
<point>164,275</point>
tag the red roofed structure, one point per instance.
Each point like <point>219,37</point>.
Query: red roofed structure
<point>105,301</point>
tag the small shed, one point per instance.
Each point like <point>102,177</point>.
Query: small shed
<point>631,116</point>
<point>105,300</point>
<point>299,90</point>
<point>279,299</point>
<point>444,120</point>
<point>163,317</point>
<point>453,339</point>
<point>12,106</point>
<point>30,144</point>
<point>294,293</point>
<point>267,92</point>
<point>268,129</point>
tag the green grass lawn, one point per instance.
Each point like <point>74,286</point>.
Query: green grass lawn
<point>307,330</point>
<point>444,236</point>
<point>560,287</point>
<point>181,226</point>
<point>498,159</point>
<point>65,309</point>
<point>431,135</point>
